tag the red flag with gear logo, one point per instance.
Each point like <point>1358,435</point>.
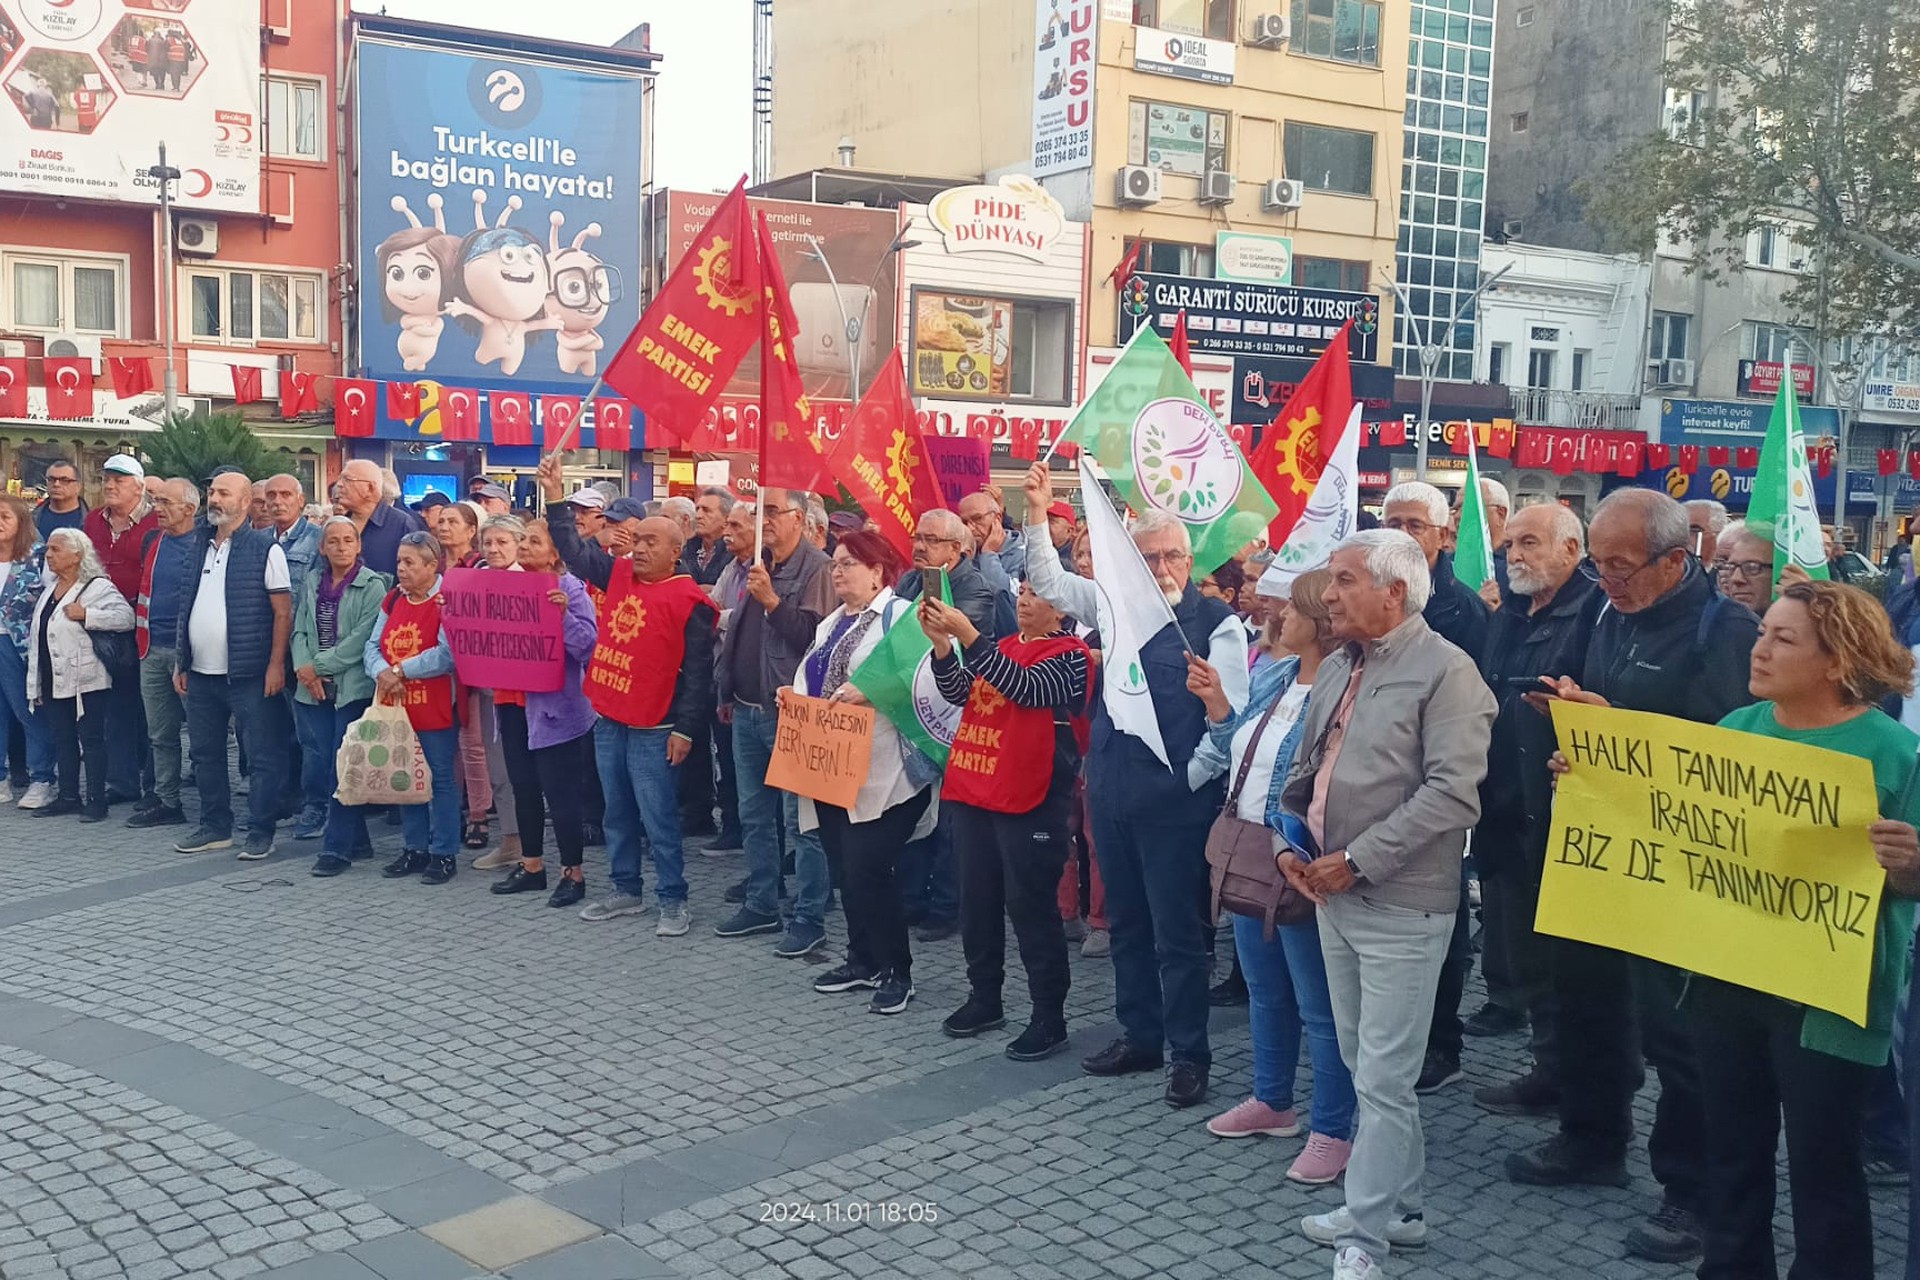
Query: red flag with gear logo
<point>354,406</point>
<point>882,460</point>
<point>790,453</point>
<point>69,386</point>
<point>13,387</point>
<point>700,325</point>
<point>1295,449</point>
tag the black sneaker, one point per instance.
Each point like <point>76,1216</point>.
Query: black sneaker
<point>847,977</point>
<point>1120,1058</point>
<point>1528,1095</point>
<point>568,892</point>
<point>1437,1072</point>
<point>1671,1234</point>
<point>744,924</point>
<point>737,892</point>
<point>94,813</point>
<point>892,994</point>
<point>1229,991</point>
<point>1492,1020</point>
<point>62,807</point>
<point>728,841</point>
<point>159,815</point>
<point>439,870</point>
<point>1186,1084</point>
<point>1039,1040</point>
<point>411,862</point>
<point>521,880</point>
<point>203,840</point>
<point>257,848</point>
<point>1562,1162</point>
<point>935,931</point>
<point>328,865</point>
<point>973,1017</point>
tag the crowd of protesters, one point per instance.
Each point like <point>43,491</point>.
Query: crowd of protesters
<point>1378,729</point>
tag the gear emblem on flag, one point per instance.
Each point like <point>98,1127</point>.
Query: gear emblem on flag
<point>627,620</point>
<point>904,460</point>
<point>1300,463</point>
<point>712,272</point>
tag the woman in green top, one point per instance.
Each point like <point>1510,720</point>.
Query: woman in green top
<point>1825,657</point>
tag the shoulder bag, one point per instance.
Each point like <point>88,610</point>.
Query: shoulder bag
<point>1240,856</point>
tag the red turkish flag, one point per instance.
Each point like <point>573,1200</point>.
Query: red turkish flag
<point>1123,269</point>
<point>132,375</point>
<point>1822,460</point>
<point>1025,443</point>
<point>355,406</point>
<point>1913,463</point>
<point>1179,344</point>
<point>1887,460</point>
<point>13,387</point>
<point>69,386</point>
<point>246,383</point>
<point>1463,438</point>
<point>559,422</point>
<point>1747,457</point>
<point>790,452</point>
<point>403,401</point>
<point>1718,455</point>
<point>1659,455</point>
<point>512,417</point>
<point>1630,458</point>
<point>881,458</point>
<point>1689,459</point>
<point>299,393</point>
<point>703,321</point>
<point>1393,435</point>
<point>1500,442</point>
<point>613,425</point>
<point>1290,457</point>
<point>459,413</point>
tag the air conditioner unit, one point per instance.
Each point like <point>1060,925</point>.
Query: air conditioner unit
<point>1136,184</point>
<point>68,345</point>
<point>1270,30</point>
<point>199,237</point>
<point>1282,194</point>
<point>1217,187</point>
<point>12,349</point>
<point>1671,373</point>
<point>1511,228</point>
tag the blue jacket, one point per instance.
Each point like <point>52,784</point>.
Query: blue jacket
<point>20,595</point>
<point>249,606</point>
<point>1270,684</point>
<point>301,546</point>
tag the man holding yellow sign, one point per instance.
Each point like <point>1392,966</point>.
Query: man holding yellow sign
<point>1763,868</point>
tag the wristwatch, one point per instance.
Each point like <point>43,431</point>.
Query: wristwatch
<point>1353,868</point>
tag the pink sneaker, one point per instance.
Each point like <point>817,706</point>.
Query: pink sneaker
<point>1254,1116</point>
<point>1323,1160</point>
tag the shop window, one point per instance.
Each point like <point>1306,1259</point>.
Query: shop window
<point>65,294</point>
<point>1210,18</point>
<point>1176,139</point>
<point>1330,273</point>
<point>251,306</point>
<point>1171,258</point>
<point>1330,159</point>
<point>973,347</point>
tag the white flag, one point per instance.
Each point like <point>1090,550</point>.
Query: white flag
<point>1132,612</point>
<point>1332,513</point>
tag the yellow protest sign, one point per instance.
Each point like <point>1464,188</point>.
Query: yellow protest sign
<point>1736,856</point>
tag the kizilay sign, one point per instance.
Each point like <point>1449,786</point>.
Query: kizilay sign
<point>1707,849</point>
<point>1250,319</point>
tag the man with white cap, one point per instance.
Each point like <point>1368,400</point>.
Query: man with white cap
<point>120,529</point>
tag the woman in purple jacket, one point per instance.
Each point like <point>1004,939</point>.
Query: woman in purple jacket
<point>548,738</point>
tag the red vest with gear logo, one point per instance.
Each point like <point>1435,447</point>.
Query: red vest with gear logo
<point>641,646</point>
<point>1002,756</point>
<point>413,629</point>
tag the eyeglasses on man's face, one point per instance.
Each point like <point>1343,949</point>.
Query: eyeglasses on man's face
<point>1743,568</point>
<point>1155,559</point>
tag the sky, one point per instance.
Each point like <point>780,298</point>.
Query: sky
<point>703,134</point>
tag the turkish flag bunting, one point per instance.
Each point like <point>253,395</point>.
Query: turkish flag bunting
<point>1746,457</point>
<point>881,459</point>
<point>1463,438</point>
<point>132,375</point>
<point>459,413</point>
<point>1659,455</point>
<point>703,321</point>
<point>1295,450</point>
<point>1069,450</point>
<point>13,387</point>
<point>1179,344</point>
<point>1530,451</point>
<point>1025,443</point>
<point>246,383</point>
<point>299,393</point>
<point>1563,460</point>
<point>512,417</point>
<point>1630,458</point>
<point>1500,442</point>
<point>1887,460</point>
<point>1718,455</point>
<point>403,401</point>
<point>69,386</point>
<point>1823,459</point>
<point>1689,459</point>
<point>355,406</point>
<point>1393,435</point>
<point>613,425</point>
<point>1123,269</point>
<point>790,453</point>
<point>1913,463</point>
<point>559,422</point>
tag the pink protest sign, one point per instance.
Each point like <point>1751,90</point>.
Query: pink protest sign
<point>504,629</point>
<point>962,465</point>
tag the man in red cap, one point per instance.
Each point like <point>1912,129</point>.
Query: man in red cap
<point>1061,528</point>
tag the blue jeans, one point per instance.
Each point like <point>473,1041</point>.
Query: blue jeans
<point>322,727</point>
<point>1157,895</point>
<point>13,702</point>
<point>435,825</point>
<point>1287,987</point>
<point>643,807</point>
<point>212,703</point>
<point>763,810</point>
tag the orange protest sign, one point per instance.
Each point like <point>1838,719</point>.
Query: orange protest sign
<point>821,749</point>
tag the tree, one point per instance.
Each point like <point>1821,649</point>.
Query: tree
<point>194,446</point>
<point>1810,117</point>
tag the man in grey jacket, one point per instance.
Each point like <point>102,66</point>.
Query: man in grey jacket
<point>1388,782</point>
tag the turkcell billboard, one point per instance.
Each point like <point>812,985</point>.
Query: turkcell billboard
<point>499,221</point>
<point>92,86</point>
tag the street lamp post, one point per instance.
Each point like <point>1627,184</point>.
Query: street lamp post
<point>166,175</point>
<point>1431,350</point>
<point>854,327</point>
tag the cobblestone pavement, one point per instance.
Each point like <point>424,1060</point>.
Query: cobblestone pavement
<point>210,1068</point>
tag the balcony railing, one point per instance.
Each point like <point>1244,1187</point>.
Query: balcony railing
<point>1600,410</point>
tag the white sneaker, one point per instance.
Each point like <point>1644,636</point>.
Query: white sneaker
<point>1403,1232</point>
<point>38,796</point>
<point>674,919</point>
<point>1355,1264</point>
<point>615,905</point>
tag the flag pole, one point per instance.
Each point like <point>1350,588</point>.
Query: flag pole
<point>1185,641</point>
<point>573,428</point>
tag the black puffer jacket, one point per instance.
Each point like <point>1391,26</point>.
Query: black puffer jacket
<point>1685,655</point>
<point>1455,611</point>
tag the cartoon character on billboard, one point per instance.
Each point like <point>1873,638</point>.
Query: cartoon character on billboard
<point>583,288</point>
<point>416,281</point>
<point>504,280</point>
